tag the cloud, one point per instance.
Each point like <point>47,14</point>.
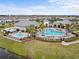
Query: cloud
<point>66,6</point>
<point>56,7</point>
<point>4,9</point>
<point>64,2</point>
<point>33,10</point>
<point>38,7</point>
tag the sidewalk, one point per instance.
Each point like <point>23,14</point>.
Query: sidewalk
<point>69,43</point>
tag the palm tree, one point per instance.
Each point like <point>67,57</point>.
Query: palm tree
<point>68,27</point>
<point>31,29</point>
<point>42,26</point>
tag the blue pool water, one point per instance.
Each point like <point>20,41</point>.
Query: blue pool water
<point>21,35</point>
<point>52,32</point>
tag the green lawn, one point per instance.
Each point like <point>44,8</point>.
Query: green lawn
<point>41,50</point>
<point>12,46</point>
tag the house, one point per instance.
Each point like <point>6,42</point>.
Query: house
<point>62,23</point>
<point>2,22</point>
<point>46,22</point>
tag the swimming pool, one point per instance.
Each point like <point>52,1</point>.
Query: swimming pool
<point>21,35</point>
<point>52,32</point>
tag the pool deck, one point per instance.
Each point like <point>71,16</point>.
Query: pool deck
<point>12,38</point>
<point>65,36</point>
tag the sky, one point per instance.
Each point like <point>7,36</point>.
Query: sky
<point>39,7</point>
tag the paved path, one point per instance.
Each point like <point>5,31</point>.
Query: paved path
<point>69,43</point>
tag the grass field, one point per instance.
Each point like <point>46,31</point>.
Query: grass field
<point>41,50</point>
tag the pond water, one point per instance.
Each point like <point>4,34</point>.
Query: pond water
<point>4,54</point>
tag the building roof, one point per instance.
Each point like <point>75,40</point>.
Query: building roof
<point>26,23</point>
<point>63,22</point>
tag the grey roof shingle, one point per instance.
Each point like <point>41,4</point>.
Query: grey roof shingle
<point>63,22</point>
<point>26,23</point>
